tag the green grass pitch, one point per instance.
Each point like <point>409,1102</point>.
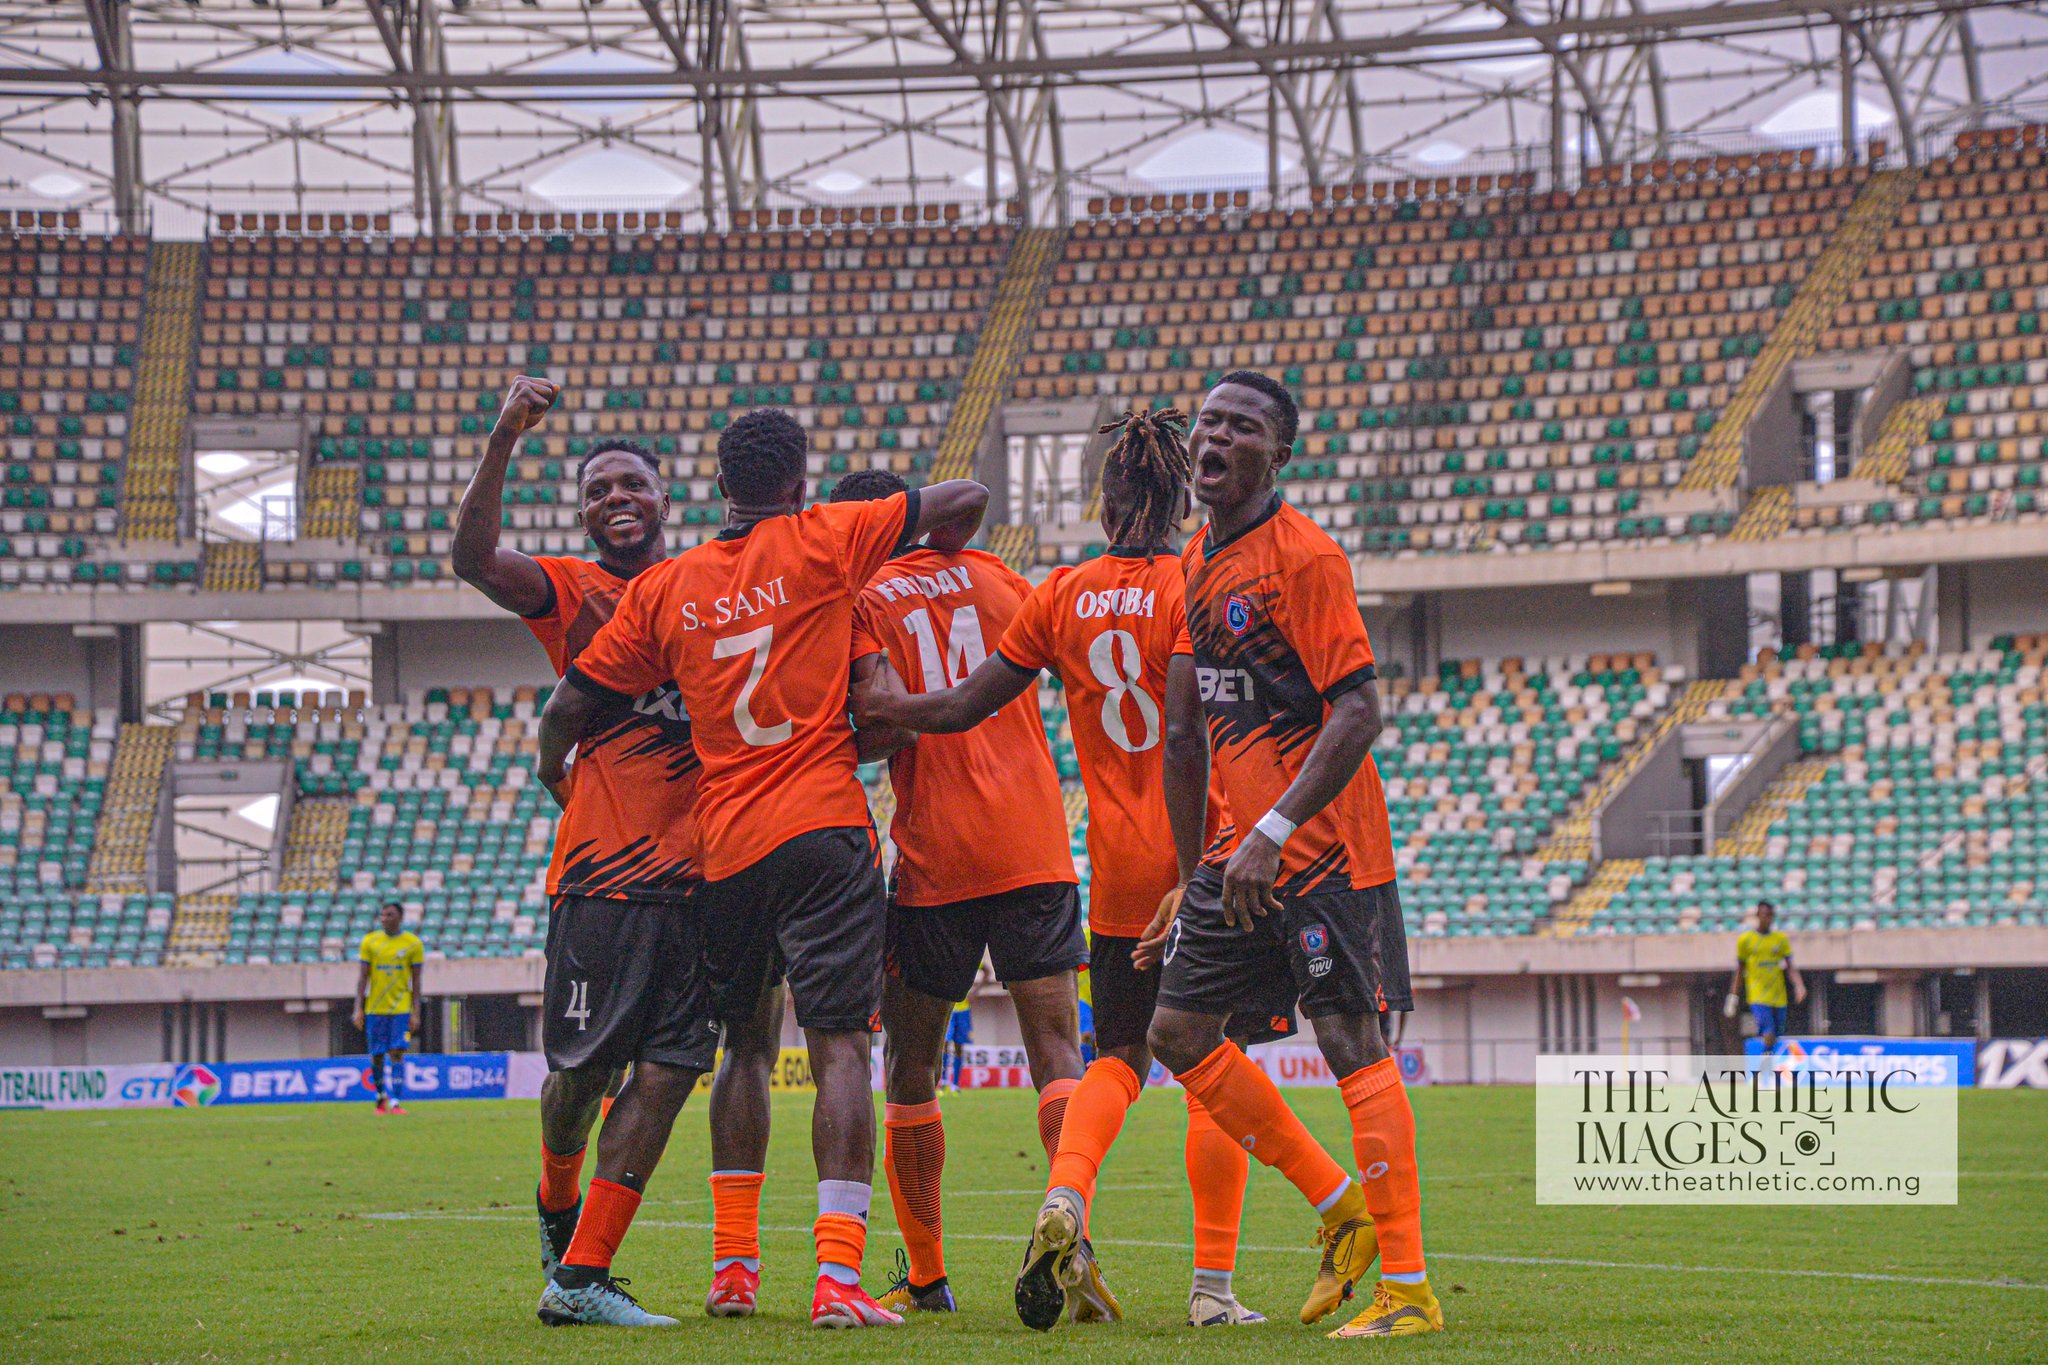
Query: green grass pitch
<point>257,1234</point>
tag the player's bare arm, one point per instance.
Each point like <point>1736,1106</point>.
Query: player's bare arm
<point>510,579</point>
<point>1798,984</point>
<point>882,699</point>
<point>416,997</point>
<point>362,993</point>
<point>1186,759</point>
<point>1347,735</point>
<point>874,740</point>
<point>568,716</point>
<point>949,513</point>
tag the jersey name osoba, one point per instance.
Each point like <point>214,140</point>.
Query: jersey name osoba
<point>1089,606</point>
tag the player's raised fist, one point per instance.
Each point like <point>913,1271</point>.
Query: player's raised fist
<point>526,403</point>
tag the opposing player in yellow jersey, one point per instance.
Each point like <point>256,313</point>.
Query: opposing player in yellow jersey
<point>1763,964</point>
<point>388,1001</point>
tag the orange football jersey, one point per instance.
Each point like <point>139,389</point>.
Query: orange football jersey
<point>630,829</point>
<point>756,627</point>
<point>1277,635</point>
<point>936,614</point>
<point>1108,628</point>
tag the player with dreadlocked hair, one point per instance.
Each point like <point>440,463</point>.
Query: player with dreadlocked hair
<point>1145,477</point>
<point>1114,630</point>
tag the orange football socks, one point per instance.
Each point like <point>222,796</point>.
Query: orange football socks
<point>842,1240</point>
<point>914,1154</point>
<point>735,1219</point>
<point>607,1212</point>
<point>841,1231</point>
<point>561,1178</point>
<point>1383,1140</point>
<point>1094,1117</point>
<point>1052,1113</point>
<point>1218,1170</point>
<point>1247,1105</point>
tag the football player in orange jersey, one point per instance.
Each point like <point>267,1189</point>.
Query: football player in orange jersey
<point>1300,885</point>
<point>756,629</point>
<point>1114,631</point>
<point>622,983</point>
<point>934,615</point>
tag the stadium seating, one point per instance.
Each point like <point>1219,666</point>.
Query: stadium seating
<point>54,761</point>
<point>1924,803</point>
<point>1481,761</point>
<point>1480,367</point>
<point>443,813</point>
<point>398,350</point>
<point>1961,285</point>
<point>68,339</point>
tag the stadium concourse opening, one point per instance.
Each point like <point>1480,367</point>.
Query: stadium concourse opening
<point>1625,421</point>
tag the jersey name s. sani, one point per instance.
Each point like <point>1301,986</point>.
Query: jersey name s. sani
<point>738,606</point>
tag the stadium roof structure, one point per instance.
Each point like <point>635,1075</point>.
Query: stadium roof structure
<point>161,110</point>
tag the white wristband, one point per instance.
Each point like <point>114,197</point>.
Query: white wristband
<point>1276,827</point>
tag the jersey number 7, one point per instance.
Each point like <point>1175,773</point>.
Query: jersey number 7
<point>758,642</point>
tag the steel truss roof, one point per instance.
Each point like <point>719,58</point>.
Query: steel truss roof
<point>425,108</point>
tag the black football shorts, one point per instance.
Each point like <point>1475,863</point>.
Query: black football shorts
<point>814,910</point>
<point>625,983</point>
<point>1340,952</point>
<point>1028,933</point>
<point>1123,999</point>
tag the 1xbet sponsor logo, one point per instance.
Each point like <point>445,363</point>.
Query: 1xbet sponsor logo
<point>2013,1063</point>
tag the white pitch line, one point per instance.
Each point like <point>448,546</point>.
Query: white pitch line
<point>1873,1277</point>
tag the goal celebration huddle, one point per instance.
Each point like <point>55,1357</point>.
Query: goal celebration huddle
<point>715,855</point>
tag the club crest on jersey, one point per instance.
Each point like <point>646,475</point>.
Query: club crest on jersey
<point>1314,939</point>
<point>1237,613</point>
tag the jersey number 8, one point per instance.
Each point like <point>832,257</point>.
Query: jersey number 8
<point>1114,659</point>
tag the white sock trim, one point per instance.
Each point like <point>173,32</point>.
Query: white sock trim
<point>752,1263</point>
<point>1335,1195</point>
<point>735,1173</point>
<point>833,1270</point>
<point>1216,1282</point>
<point>1407,1277</point>
<point>845,1196</point>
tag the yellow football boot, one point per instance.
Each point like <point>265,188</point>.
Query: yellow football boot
<point>1398,1310</point>
<point>1088,1298</point>
<point>1350,1246</point>
<point>902,1299</point>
